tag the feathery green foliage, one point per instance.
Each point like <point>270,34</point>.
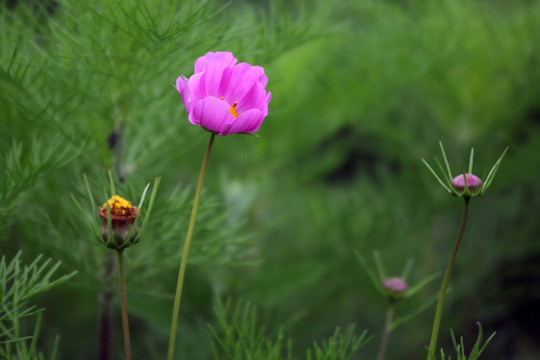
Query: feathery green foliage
<point>340,346</point>
<point>240,336</point>
<point>18,284</point>
<point>475,351</point>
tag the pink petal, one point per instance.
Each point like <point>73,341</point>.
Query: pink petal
<point>242,79</point>
<point>211,113</point>
<point>234,71</point>
<point>211,78</point>
<point>183,89</point>
<point>255,98</point>
<point>263,79</point>
<point>247,122</point>
<point>268,98</point>
<point>220,58</point>
<point>196,87</point>
<point>224,83</point>
<point>193,120</point>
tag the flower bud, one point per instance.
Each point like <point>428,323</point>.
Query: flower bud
<point>394,287</point>
<point>474,184</point>
<point>122,225</point>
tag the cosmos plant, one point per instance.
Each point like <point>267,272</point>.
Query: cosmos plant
<point>224,98</point>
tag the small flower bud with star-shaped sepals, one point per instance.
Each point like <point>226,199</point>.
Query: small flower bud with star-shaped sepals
<point>119,227</point>
<point>466,185</point>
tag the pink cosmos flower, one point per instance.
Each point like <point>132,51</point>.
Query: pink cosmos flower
<point>225,97</point>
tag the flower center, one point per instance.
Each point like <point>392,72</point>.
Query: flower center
<point>118,205</point>
<point>232,110</point>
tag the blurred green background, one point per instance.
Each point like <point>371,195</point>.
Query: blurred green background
<point>360,91</point>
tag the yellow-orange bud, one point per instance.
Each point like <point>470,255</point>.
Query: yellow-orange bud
<point>122,216</point>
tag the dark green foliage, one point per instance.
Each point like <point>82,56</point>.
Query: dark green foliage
<point>339,346</point>
<point>240,336</point>
<point>476,350</point>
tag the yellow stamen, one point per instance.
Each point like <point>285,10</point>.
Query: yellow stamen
<point>232,110</point>
<point>118,205</point>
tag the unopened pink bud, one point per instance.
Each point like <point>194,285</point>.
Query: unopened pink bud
<point>395,285</point>
<point>473,182</point>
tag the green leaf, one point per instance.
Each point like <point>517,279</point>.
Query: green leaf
<point>435,174</point>
<point>493,171</point>
<point>471,159</point>
<point>446,160</point>
<point>374,278</point>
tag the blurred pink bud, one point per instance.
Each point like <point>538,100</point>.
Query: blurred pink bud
<point>395,285</point>
<point>224,97</point>
<point>473,182</point>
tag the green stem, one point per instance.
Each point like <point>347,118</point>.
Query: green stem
<point>125,321</point>
<point>438,312</point>
<point>106,297</point>
<point>387,331</point>
<point>187,244</point>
